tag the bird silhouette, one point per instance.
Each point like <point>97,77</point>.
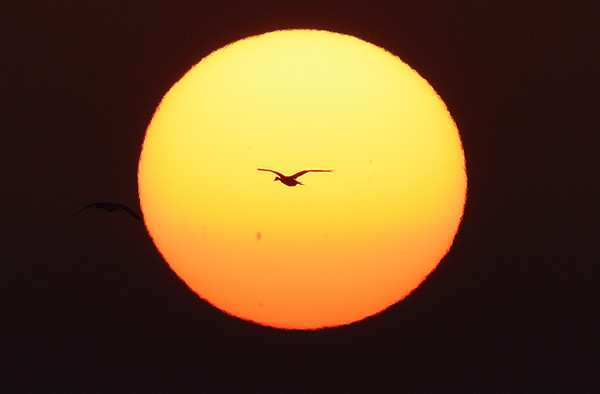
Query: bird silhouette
<point>111,207</point>
<point>290,180</point>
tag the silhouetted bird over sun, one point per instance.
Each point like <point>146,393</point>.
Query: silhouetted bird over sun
<point>290,180</point>
<point>111,207</point>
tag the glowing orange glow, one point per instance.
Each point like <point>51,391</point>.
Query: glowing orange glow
<point>345,245</point>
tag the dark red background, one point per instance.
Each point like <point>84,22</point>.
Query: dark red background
<point>88,304</point>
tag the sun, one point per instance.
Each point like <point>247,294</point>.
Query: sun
<point>346,244</point>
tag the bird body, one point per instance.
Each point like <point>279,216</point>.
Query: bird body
<point>111,207</point>
<point>290,180</point>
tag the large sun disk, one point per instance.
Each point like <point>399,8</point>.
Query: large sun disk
<point>346,244</point>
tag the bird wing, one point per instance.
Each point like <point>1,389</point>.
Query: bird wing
<point>131,212</point>
<point>274,172</point>
<point>84,208</point>
<point>296,175</point>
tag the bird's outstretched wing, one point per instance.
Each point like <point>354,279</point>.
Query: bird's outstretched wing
<point>274,172</point>
<point>296,175</point>
<point>131,212</point>
<point>84,208</point>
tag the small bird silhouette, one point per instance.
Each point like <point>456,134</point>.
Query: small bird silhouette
<point>111,207</point>
<point>290,180</point>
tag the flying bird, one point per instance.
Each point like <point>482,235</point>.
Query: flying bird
<point>290,180</point>
<point>111,207</point>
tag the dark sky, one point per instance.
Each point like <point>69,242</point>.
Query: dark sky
<point>89,305</point>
